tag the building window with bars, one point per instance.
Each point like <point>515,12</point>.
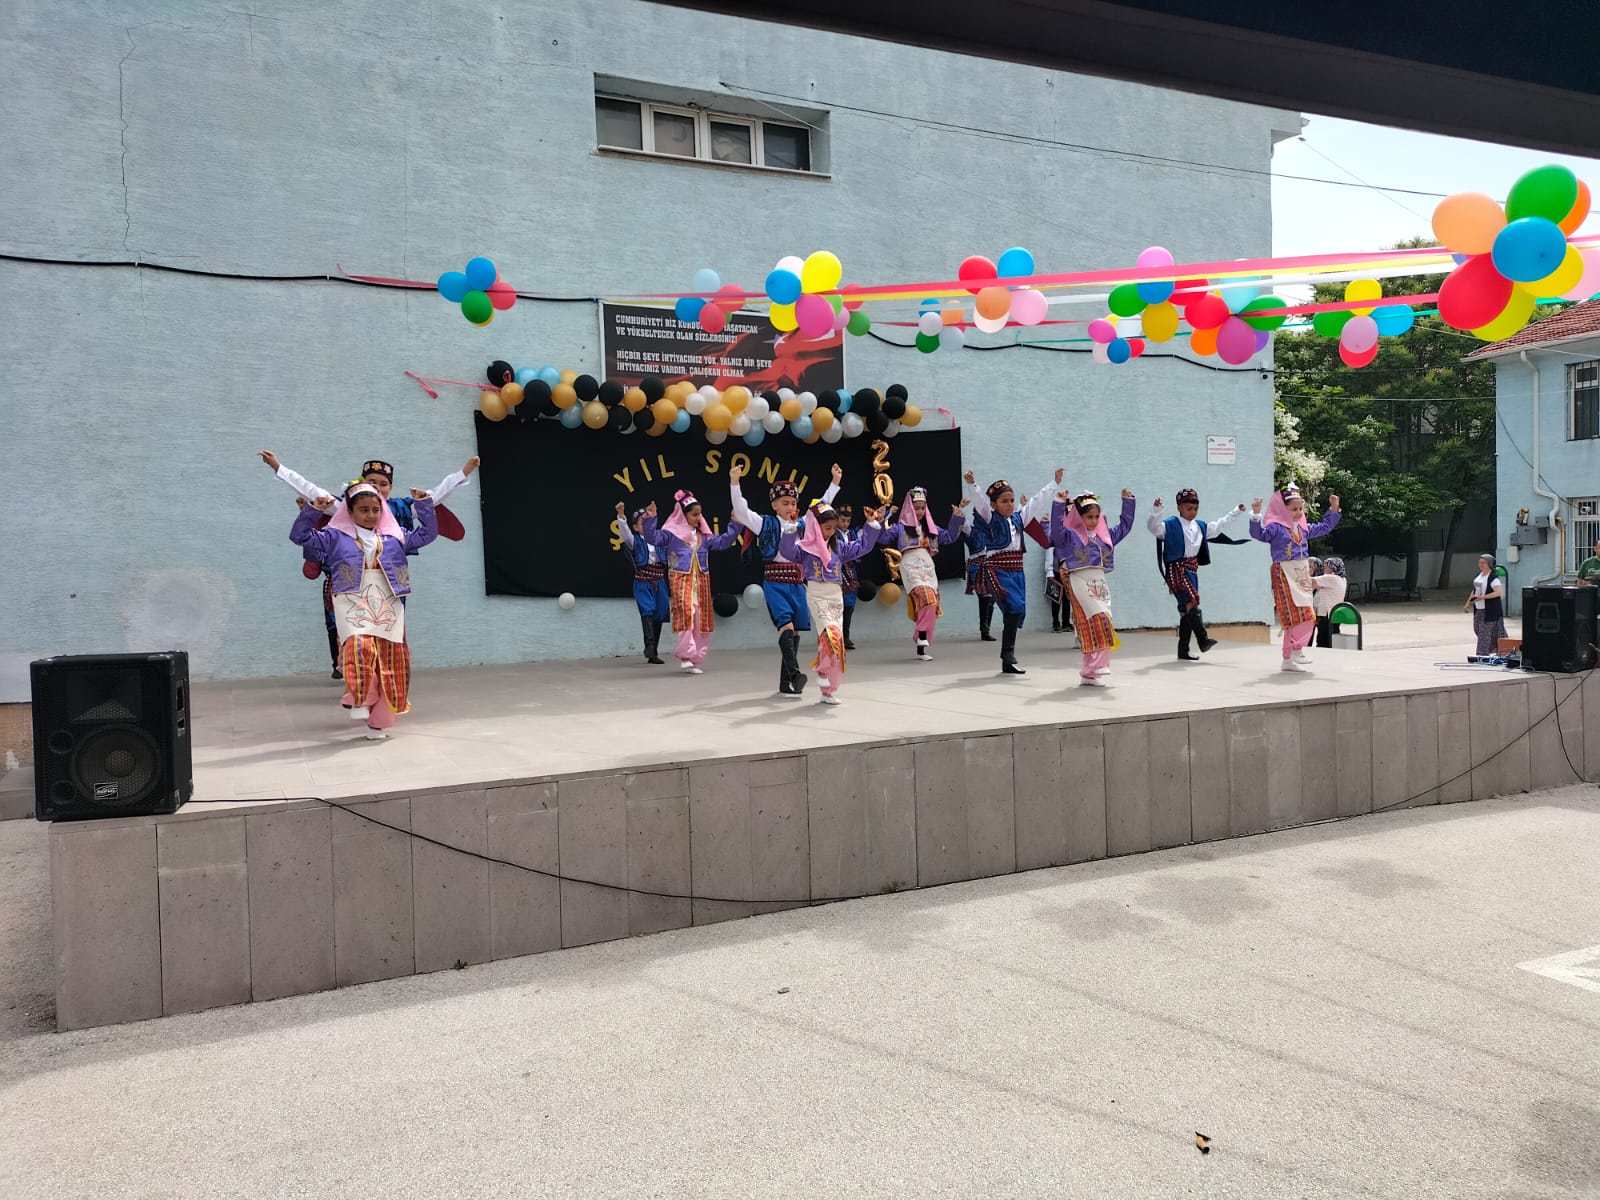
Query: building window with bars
<point>1585,530</point>
<point>648,127</point>
<point>1583,386</point>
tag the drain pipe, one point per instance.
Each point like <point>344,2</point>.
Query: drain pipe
<point>1538,488</point>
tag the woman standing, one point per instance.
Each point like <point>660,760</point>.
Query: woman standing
<point>1328,578</point>
<point>1487,605</point>
<point>1285,530</point>
<point>686,542</point>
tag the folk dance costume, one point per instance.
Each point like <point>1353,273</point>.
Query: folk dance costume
<point>369,581</point>
<point>975,553</point>
<point>650,591</point>
<point>1292,589</point>
<point>1088,557</point>
<point>1000,575</point>
<point>1183,547</point>
<point>686,550</point>
<point>848,584</point>
<point>822,562</point>
<point>781,584</point>
<point>917,539</point>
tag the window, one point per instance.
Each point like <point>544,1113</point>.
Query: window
<point>652,128</point>
<point>1585,530</point>
<point>1583,384</point>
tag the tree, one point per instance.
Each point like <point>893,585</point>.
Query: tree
<point>1405,437</point>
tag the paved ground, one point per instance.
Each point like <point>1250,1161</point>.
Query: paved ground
<point>1339,1007</point>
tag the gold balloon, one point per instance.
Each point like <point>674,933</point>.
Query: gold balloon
<point>717,416</point>
<point>633,399</point>
<point>737,397</point>
<point>912,417</point>
<point>563,395</point>
<point>594,415</point>
<point>655,430</point>
<point>679,390</point>
<point>665,411</point>
<point>789,409</point>
<point>568,376</point>
<point>491,406</point>
<point>511,395</point>
<point>888,594</point>
<point>823,419</point>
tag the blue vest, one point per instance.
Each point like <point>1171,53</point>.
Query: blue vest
<point>1172,543</point>
<point>641,552</point>
<point>400,506</point>
<point>995,533</point>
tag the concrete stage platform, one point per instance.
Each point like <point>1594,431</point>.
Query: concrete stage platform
<point>648,799</point>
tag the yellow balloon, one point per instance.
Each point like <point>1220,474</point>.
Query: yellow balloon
<point>655,430</point>
<point>737,398</point>
<point>1160,323</point>
<point>790,408</point>
<point>679,390</point>
<point>1512,318</point>
<point>633,399</point>
<point>717,416</point>
<point>814,438</point>
<point>666,411</point>
<point>491,406</point>
<point>822,420</point>
<point>1363,289</point>
<point>888,594</point>
<point>783,318</point>
<point>594,415</point>
<point>912,417</point>
<point>511,393</point>
<point>568,376</point>
<point>821,272</point>
<point>1563,279</point>
<point>563,396</point>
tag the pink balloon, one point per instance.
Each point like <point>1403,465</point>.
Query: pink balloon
<point>713,319</point>
<point>1590,283</point>
<point>1155,256</point>
<point>1102,331</point>
<point>1028,307</point>
<point>1098,354</point>
<point>1236,341</point>
<point>841,319</point>
<point>1359,335</point>
<point>502,295</point>
<point>814,315</point>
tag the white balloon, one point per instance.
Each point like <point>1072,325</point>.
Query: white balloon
<point>792,262</point>
<point>808,403</point>
<point>853,425</point>
<point>567,600</point>
<point>988,325</point>
<point>740,425</point>
<point>694,404</point>
<point>930,323</point>
<point>754,597</point>
<point>716,436</point>
<point>833,433</point>
<point>773,422</point>
<point>951,338</point>
<point>1099,354</point>
<point>758,407</point>
<point>785,393</point>
<point>710,393</point>
<point>894,428</point>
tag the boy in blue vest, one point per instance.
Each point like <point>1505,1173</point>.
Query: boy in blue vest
<point>781,583</point>
<point>999,527</point>
<point>1183,547</point>
<point>650,591</point>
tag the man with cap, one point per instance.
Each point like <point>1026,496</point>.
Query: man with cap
<point>781,582</point>
<point>1182,545</point>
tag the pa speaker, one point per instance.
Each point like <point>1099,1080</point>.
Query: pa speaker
<point>1558,628</point>
<point>111,735</point>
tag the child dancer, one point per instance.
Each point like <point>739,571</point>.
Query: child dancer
<point>822,553</point>
<point>916,536</point>
<point>998,528</point>
<point>849,584</point>
<point>975,553</point>
<point>364,550</point>
<point>1184,545</point>
<point>1086,549</point>
<point>1284,529</point>
<point>780,575</point>
<point>650,591</point>
<point>686,542</point>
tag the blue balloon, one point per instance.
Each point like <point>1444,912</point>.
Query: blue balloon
<point>687,309</point>
<point>1393,319</point>
<point>1015,261</point>
<point>801,427</point>
<point>680,423</point>
<point>480,275</point>
<point>1529,248</point>
<point>526,375</point>
<point>572,417</point>
<point>550,375</point>
<point>1156,291</point>
<point>845,400</point>
<point>706,280</point>
<point>1239,294</point>
<point>453,286</point>
<point>783,287</point>
<point>1459,258</point>
<point>1118,351</point>
<point>755,436</point>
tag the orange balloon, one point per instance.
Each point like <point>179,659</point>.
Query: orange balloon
<point>666,411</point>
<point>568,376</point>
<point>789,409</point>
<point>491,406</point>
<point>563,395</point>
<point>888,593</point>
<point>814,438</point>
<point>633,399</point>
<point>511,393</point>
<point>822,420</point>
<point>736,398</point>
<point>1468,222</point>
<point>1580,209</point>
<point>679,390</point>
<point>1203,341</point>
<point>717,416</point>
<point>954,316</point>
<point>655,430</point>
<point>994,302</point>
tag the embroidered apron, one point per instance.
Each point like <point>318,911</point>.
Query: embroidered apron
<point>1292,592</point>
<point>1091,609</point>
<point>374,610</point>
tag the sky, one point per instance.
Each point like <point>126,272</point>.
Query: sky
<point>1316,218</point>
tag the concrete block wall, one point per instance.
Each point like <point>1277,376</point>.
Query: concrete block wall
<point>199,909</point>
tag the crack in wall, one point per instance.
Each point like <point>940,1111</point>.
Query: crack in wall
<point>122,113</point>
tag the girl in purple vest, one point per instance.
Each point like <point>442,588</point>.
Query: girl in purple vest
<point>685,542</point>
<point>1086,550</point>
<point>822,553</point>
<point>1285,530</point>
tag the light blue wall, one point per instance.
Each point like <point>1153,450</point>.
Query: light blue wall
<point>1568,468</point>
<point>400,138</point>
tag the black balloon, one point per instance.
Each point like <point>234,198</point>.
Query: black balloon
<point>725,604</point>
<point>653,388</point>
<point>877,422</point>
<point>772,399</point>
<point>894,407</point>
<point>587,387</point>
<point>620,418</point>
<point>864,403</point>
<point>610,392</point>
<point>500,372</point>
<point>828,400</point>
<point>643,419</point>
<point>896,391</point>
<point>536,396</point>
<point>866,590</point>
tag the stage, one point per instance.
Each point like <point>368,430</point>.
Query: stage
<point>663,799</point>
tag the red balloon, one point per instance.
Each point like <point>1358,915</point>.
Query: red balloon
<point>502,295</point>
<point>977,272</point>
<point>713,319</point>
<point>1358,358</point>
<point>1207,312</point>
<point>1135,347</point>
<point>1188,290</point>
<point>730,297</point>
<point>1473,294</point>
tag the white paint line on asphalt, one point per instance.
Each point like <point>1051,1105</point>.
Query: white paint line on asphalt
<point>1580,968</point>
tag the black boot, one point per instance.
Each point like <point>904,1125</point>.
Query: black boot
<point>848,613</point>
<point>1055,617</point>
<point>1185,626</point>
<point>791,682</point>
<point>985,615</point>
<point>652,640</point>
<point>1010,622</point>
<point>1197,622</point>
<point>333,652</point>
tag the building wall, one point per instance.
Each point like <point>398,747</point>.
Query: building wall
<point>1569,468</point>
<point>400,139</point>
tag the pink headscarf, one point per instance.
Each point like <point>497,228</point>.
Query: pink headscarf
<point>812,541</point>
<point>678,523</point>
<point>345,523</point>
<point>1278,508</point>
<point>908,512</point>
<point>1079,526</point>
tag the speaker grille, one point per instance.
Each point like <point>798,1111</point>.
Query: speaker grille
<point>115,694</point>
<point>115,766</point>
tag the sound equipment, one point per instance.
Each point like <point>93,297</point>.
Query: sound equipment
<point>111,735</point>
<point>1558,628</point>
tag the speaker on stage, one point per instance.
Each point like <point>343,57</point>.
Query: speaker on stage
<point>1558,628</point>
<point>111,735</point>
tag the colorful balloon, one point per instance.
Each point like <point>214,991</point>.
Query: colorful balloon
<point>783,318</point>
<point>1236,341</point>
<point>1357,358</point>
<point>717,417</point>
<point>1028,307</point>
<point>1360,334</point>
<point>993,302</point>
<point>1562,279</point>
<point>858,323</point>
<point>1473,294</point>
<point>502,295</point>
<point>1013,263</point>
<point>930,323</point>
<point>976,272</point>
<point>1468,222</point>
<point>1119,351</point>
<point>1155,292</point>
<point>491,406</point>
<point>730,298</point>
<point>1258,313</point>
<point>481,275</point>
<point>1203,342</point>
<point>594,415</point>
<point>1512,318</point>
<point>1544,192</point>
<point>927,344</point>
<point>1207,312</point>
<point>687,309</point>
<point>1529,248</point>
<point>1161,321</point>
<point>453,286</point>
<point>783,287</point>
<point>1330,324</point>
<point>1579,211</point>
<point>1102,331</point>
<point>822,272</point>
<point>1125,300</point>
<point>1155,256</point>
<point>477,307</point>
<point>815,316</point>
<point>706,280</point>
<point>1589,285</point>
<point>1393,319</point>
<point>1363,289</point>
<point>712,318</point>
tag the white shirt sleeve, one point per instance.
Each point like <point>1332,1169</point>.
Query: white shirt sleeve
<point>1038,508</point>
<point>1156,523</point>
<point>625,533</point>
<point>980,501</point>
<point>742,513</point>
<point>1220,525</point>
<point>829,494</point>
<point>447,485</point>
<point>301,484</point>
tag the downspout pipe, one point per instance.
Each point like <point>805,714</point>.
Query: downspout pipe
<point>1538,487</point>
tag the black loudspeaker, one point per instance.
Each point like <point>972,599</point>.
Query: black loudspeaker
<point>111,735</point>
<point>1558,628</point>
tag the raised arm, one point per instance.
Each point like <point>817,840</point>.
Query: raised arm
<point>980,502</point>
<point>1219,527</point>
<point>741,511</point>
<point>299,483</point>
<point>454,480</point>
<point>832,489</point>
<point>316,543</point>
<point>953,527</point>
<point>729,536</point>
<point>427,522</point>
<point>850,549</point>
<point>1156,522</point>
<point>1325,526</point>
<point>1038,508</point>
<point>1125,526</point>
<point>1058,523</point>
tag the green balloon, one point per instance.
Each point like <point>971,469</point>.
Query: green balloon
<point>1125,301</point>
<point>1252,312</point>
<point>1331,324</point>
<point>859,323</point>
<point>926,343</point>
<point>1548,192</point>
<point>476,307</point>
<point>836,302</point>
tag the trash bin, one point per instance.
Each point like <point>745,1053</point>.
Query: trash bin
<point>1341,616</point>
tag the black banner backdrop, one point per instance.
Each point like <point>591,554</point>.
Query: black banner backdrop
<point>549,497</point>
<point>639,340</point>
